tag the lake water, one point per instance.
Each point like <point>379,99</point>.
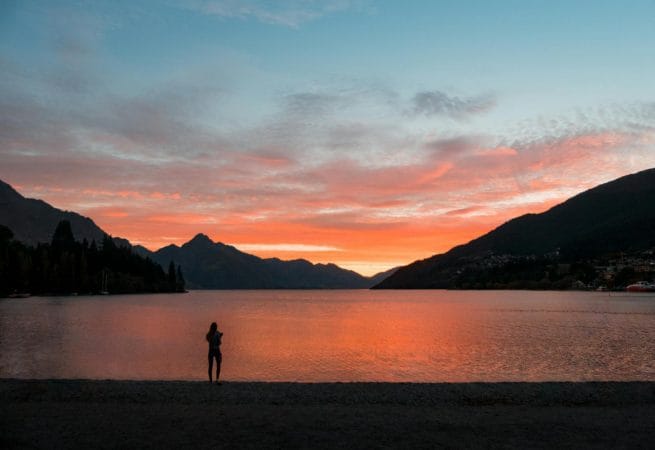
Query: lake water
<point>359,335</point>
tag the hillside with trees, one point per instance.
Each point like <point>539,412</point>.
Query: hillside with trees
<point>65,266</point>
<point>32,221</point>
<point>603,236</point>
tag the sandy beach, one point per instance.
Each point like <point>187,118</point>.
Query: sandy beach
<point>154,414</point>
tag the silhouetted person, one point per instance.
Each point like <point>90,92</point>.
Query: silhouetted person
<point>214,339</point>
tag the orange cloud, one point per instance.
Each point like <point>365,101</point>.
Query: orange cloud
<point>362,215</point>
<point>110,212</point>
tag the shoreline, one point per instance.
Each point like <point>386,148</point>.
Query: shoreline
<point>147,414</point>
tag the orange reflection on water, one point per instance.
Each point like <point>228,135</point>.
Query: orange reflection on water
<point>333,336</point>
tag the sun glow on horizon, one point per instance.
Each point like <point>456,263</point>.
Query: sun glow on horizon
<point>352,242</point>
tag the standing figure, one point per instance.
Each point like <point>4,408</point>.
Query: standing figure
<point>214,339</point>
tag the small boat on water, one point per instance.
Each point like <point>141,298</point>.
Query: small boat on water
<point>641,286</point>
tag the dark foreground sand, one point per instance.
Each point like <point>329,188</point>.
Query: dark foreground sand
<point>145,414</point>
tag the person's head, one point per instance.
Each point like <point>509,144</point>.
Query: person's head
<point>212,330</point>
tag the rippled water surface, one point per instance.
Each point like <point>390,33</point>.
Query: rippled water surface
<point>334,336</point>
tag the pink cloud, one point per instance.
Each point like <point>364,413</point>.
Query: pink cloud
<point>456,190</point>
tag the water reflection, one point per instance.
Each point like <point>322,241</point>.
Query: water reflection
<point>334,336</point>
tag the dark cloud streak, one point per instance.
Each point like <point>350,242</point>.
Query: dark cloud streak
<point>438,103</point>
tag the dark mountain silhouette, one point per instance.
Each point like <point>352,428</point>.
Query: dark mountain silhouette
<point>142,251</point>
<point>34,221</point>
<point>205,264</point>
<point>381,276</point>
<point>65,266</point>
<point>213,265</point>
<point>618,216</point>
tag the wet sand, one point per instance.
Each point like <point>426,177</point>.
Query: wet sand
<point>164,414</point>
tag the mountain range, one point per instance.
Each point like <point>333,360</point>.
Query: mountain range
<point>213,265</point>
<point>615,217</point>
<point>206,264</point>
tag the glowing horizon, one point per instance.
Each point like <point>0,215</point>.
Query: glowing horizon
<point>365,134</point>
<point>450,235</point>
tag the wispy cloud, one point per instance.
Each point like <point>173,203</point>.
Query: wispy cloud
<point>289,13</point>
<point>313,104</point>
<point>342,96</point>
<point>438,103</point>
<point>243,119</point>
<point>336,172</point>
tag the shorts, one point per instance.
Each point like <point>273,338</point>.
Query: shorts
<point>215,354</point>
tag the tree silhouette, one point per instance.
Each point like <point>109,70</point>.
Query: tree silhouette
<point>172,279</point>
<point>63,236</point>
<point>180,280</point>
<point>65,267</point>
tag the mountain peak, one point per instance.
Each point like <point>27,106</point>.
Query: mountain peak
<point>7,191</point>
<point>213,265</point>
<point>201,239</point>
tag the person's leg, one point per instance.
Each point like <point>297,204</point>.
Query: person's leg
<point>211,363</point>
<point>219,359</point>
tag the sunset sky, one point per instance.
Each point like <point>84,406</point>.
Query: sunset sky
<point>364,133</point>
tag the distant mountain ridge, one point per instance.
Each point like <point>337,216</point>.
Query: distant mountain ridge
<point>618,216</point>
<point>206,265</point>
<point>214,265</point>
